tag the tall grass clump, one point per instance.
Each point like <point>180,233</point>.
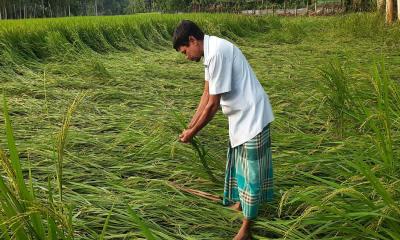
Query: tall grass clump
<point>380,117</point>
<point>338,96</point>
<point>359,25</point>
<point>355,193</point>
<point>23,215</point>
<point>370,26</point>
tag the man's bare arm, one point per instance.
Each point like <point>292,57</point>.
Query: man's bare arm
<point>202,104</point>
<point>207,114</point>
<point>204,117</point>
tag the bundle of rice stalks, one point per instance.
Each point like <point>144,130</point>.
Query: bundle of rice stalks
<point>199,148</point>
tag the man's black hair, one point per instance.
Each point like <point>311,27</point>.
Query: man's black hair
<point>182,32</point>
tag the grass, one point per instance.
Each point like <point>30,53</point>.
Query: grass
<point>122,167</point>
<point>338,97</point>
<point>24,215</point>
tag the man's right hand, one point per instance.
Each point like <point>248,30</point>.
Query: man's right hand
<point>186,136</point>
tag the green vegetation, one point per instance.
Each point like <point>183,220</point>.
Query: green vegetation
<point>92,103</point>
<point>22,9</point>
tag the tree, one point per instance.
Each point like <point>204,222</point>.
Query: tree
<point>380,5</point>
<point>135,6</point>
<point>389,11</point>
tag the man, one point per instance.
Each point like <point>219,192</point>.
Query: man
<point>231,83</point>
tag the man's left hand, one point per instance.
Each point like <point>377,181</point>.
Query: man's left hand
<point>186,136</point>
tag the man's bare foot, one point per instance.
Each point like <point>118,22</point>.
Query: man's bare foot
<point>244,232</point>
<point>242,236</point>
<point>236,207</point>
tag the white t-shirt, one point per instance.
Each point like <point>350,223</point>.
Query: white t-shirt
<point>243,99</point>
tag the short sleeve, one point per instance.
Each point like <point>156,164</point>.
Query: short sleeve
<point>219,71</point>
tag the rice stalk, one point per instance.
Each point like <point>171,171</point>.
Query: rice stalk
<point>198,148</point>
<point>61,139</point>
<point>142,225</point>
<point>103,232</point>
<point>379,117</point>
<point>212,197</point>
<point>26,197</point>
<point>338,96</point>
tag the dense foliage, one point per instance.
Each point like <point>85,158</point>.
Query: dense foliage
<point>16,9</point>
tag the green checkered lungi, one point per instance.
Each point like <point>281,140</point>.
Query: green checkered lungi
<point>248,175</point>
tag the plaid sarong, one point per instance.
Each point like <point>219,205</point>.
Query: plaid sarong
<point>248,175</point>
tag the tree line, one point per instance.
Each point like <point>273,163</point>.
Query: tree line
<point>17,9</point>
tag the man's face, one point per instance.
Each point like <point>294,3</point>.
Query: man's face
<point>194,51</point>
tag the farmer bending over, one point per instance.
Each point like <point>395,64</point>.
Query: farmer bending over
<point>231,83</point>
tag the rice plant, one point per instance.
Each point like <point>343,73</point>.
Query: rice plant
<point>379,119</point>
<point>338,96</point>
<point>25,217</point>
<point>197,146</point>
